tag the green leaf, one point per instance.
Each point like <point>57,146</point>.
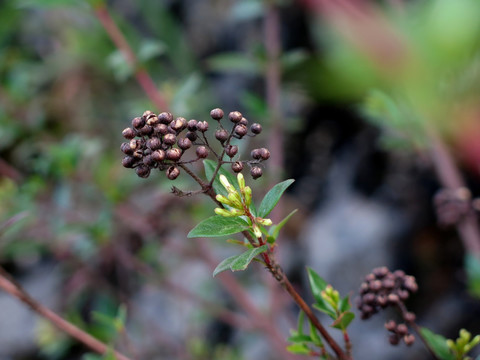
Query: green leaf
<point>275,229</point>
<point>317,284</point>
<point>343,320</point>
<point>210,167</point>
<point>438,343</point>
<point>218,226</point>
<point>299,349</point>
<point>316,339</point>
<point>300,321</point>
<point>239,262</point>
<point>472,268</point>
<point>299,338</point>
<point>345,304</point>
<point>272,197</point>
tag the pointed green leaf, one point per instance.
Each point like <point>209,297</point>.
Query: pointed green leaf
<point>299,338</point>
<point>272,197</point>
<point>218,226</point>
<point>239,262</point>
<point>472,268</point>
<point>316,339</point>
<point>275,229</point>
<point>317,284</point>
<point>438,344</point>
<point>345,304</point>
<point>210,167</point>
<point>300,321</point>
<point>299,349</point>
<point>343,320</point>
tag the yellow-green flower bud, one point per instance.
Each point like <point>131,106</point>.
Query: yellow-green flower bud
<point>226,184</point>
<point>451,344</point>
<point>264,222</point>
<point>247,193</point>
<point>241,181</point>
<point>228,213</point>
<point>235,199</point>
<point>223,200</point>
<point>256,231</point>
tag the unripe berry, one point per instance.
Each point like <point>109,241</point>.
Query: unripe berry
<point>369,298</point>
<point>216,114</point>
<point>256,172</point>
<point>178,124</point>
<point>202,126</point>
<point>142,171</point>
<point>158,155</point>
<point>409,317</point>
<point>402,329</point>
<point>174,154</point>
<point>192,125</point>
<point>138,123</point>
<point>202,152</point>
<point>256,128</point>
<point>231,150</point>
<point>391,325</point>
<point>128,161</point>
<point>184,143</point>
<point>192,136</point>
<point>241,130</point>
<point>128,133</point>
<point>169,139</point>
<point>409,339</point>
<point>235,116</point>
<point>173,172</point>
<point>237,166</point>
<point>154,143</point>
<point>165,118</point>
<point>221,135</point>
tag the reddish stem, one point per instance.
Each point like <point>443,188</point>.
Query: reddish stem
<point>143,78</point>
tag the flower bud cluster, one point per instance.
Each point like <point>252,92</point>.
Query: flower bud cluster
<point>160,142</point>
<point>238,203</point>
<point>383,288</point>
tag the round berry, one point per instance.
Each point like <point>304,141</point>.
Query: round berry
<point>169,139</point>
<point>158,155</point>
<point>192,125</point>
<point>142,171</point>
<point>178,124</point>
<point>173,172</point>
<point>138,123</point>
<point>256,128</point>
<point>146,130</point>
<point>221,135</point>
<point>264,154</point>
<point>241,130</point>
<point>231,150</point>
<point>235,116</point>
<point>184,143</point>
<point>202,126</point>
<point>126,149</point>
<point>237,166</point>
<point>256,172</point>
<point>128,133</point>
<point>174,154</point>
<point>216,114</point>
<point>202,152</point>
<point>165,118</point>
<point>128,161</point>
<point>154,143</point>
<point>191,135</point>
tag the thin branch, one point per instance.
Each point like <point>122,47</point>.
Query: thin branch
<point>16,290</point>
<point>143,78</point>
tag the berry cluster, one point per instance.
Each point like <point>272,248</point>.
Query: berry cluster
<point>160,141</point>
<point>383,288</point>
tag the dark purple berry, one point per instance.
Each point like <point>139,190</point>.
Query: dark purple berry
<point>237,166</point>
<point>173,172</point>
<point>178,124</point>
<point>128,161</point>
<point>160,129</point>
<point>158,155</point>
<point>221,135</point>
<point>142,171</point>
<point>138,123</point>
<point>170,139</point>
<point>256,172</point>
<point>202,126</point>
<point>148,160</point>
<point>202,152</point>
<point>192,136</point>
<point>241,130</point>
<point>192,125</point>
<point>235,116</point>
<point>256,154</point>
<point>256,128</point>
<point>128,133</point>
<point>154,143</point>
<point>146,130</point>
<point>165,118</point>
<point>231,150</point>
<point>264,154</point>
<point>126,149</point>
<point>216,114</point>
<point>174,154</point>
<point>184,143</point>
<point>243,122</point>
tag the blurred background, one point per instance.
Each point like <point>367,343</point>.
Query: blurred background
<point>348,94</point>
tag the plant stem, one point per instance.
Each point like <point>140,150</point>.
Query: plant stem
<point>143,78</point>
<point>10,286</point>
<point>450,178</point>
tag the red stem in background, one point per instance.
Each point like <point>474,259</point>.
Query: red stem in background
<point>143,78</point>
<point>14,289</point>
